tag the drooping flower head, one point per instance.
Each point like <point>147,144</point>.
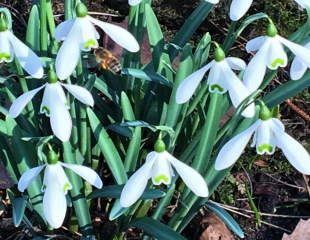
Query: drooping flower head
<point>54,104</point>
<point>79,34</point>
<point>159,167</point>
<point>56,185</point>
<point>270,54</point>
<point>269,133</point>
<point>11,47</point>
<point>220,80</point>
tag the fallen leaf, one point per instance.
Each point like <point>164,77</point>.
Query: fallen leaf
<point>261,163</point>
<point>301,232</point>
<point>216,229</point>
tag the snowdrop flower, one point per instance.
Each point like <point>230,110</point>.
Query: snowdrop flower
<point>11,47</point>
<point>238,8</point>
<point>80,34</point>
<point>303,3</point>
<point>221,79</point>
<point>269,133</point>
<point>54,104</point>
<point>159,167</point>
<point>134,2</point>
<point>298,68</point>
<point>271,54</point>
<point>56,185</point>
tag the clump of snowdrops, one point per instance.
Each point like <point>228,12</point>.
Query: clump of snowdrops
<point>155,128</point>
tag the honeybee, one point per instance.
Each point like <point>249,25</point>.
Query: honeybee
<point>107,60</point>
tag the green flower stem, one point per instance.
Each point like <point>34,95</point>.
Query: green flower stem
<point>208,132</point>
<point>230,37</point>
<point>77,195</point>
<point>69,8</point>
<point>82,117</point>
<point>43,26</point>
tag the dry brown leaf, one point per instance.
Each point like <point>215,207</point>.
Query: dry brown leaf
<point>301,232</point>
<point>216,229</point>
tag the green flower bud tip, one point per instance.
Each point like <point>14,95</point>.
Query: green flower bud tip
<point>271,30</point>
<point>81,10</point>
<point>52,77</point>
<point>159,146</point>
<point>3,24</point>
<point>264,112</point>
<point>52,157</point>
<point>219,54</point>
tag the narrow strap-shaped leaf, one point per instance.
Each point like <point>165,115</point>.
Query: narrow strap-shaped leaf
<point>156,229</point>
<point>114,191</point>
<point>19,206</point>
<point>107,148</point>
<point>226,218</point>
<point>33,29</point>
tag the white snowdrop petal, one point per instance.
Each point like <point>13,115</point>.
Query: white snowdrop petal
<point>118,34</point>
<point>193,180</point>
<point>303,3</point>
<point>69,53</point>
<point>238,9</point>
<point>236,63</point>
<point>255,44</point>
<point>237,91</point>
<point>276,56</point>
<point>89,34</point>
<point>161,170</point>
<point>136,184</point>
<point>63,29</point>
<point>80,93</point>
<point>298,69</point>
<point>255,71</point>
<point>215,80</point>
<point>213,1</point>
<point>6,52</point>
<point>26,57</point>
<point>300,51</point>
<point>134,2</point>
<point>60,118</point>
<point>85,172</point>
<point>19,103</point>
<point>295,153</point>
<point>188,86</point>
<point>233,149</point>
<point>265,143</point>
<point>54,201</point>
<point>28,177</point>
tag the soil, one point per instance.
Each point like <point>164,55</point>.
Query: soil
<point>289,196</point>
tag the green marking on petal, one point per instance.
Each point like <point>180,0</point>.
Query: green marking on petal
<point>46,110</point>
<point>277,62</point>
<point>5,56</point>
<point>90,43</point>
<point>266,147</point>
<point>217,87</point>
<point>161,178</point>
<point>66,187</point>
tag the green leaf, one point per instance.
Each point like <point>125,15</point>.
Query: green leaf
<point>33,29</point>
<point>114,191</point>
<point>147,75</point>
<point>226,218</point>
<point>108,148</point>
<point>287,90</point>
<point>117,210</point>
<point>156,229</point>
<point>19,206</point>
<point>190,26</point>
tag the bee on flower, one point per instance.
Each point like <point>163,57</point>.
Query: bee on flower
<point>79,34</point>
